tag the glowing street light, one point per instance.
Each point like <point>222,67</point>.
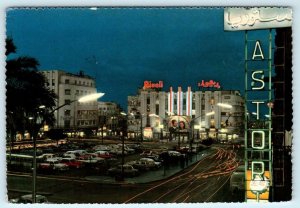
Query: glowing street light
<point>210,113</point>
<point>90,97</point>
<point>154,115</point>
<point>83,99</point>
<point>224,105</point>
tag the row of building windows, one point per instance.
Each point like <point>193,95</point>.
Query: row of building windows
<point>67,123</point>
<point>107,109</point>
<point>79,82</point>
<point>78,92</point>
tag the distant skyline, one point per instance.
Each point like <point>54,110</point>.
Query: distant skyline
<point>123,47</point>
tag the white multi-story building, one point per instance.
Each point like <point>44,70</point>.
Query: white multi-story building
<point>203,111</point>
<point>69,87</point>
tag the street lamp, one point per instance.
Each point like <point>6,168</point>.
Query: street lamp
<point>122,136</point>
<point>39,122</point>
<point>224,105</point>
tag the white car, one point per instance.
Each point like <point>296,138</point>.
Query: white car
<point>27,199</point>
<point>53,165</point>
<point>151,162</point>
<point>174,153</point>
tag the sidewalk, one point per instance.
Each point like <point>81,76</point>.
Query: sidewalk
<point>154,175</point>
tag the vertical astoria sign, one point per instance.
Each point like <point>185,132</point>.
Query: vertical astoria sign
<point>258,91</point>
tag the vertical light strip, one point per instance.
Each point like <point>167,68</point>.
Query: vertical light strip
<point>179,101</point>
<point>170,101</point>
<point>188,102</point>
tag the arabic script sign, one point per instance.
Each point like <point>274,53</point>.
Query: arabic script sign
<point>257,18</point>
<point>209,84</point>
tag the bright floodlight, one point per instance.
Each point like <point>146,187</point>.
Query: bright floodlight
<point>123,113</point>
<point>267,116</point>
<point>42,106</point>
<point>210,113</point>
<point>90,97</point>
<point>224,105</point>
<point>254,113</point>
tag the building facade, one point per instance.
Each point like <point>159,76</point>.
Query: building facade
<point>216,114</point>
<point>109,117</point>
<point>69,87</point>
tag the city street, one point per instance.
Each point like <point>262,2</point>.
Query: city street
<point>205,181</point>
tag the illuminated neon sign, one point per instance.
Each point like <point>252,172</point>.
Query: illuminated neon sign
<point>258,92</point>
<point>209,84</point>
<point>258,159</point>
<point>151,85</point>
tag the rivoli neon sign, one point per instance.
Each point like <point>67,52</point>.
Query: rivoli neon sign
<point>152,85</point>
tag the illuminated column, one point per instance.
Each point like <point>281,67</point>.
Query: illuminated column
<point>171,101</point>
<point>179,101</point>
<point>189,100</point>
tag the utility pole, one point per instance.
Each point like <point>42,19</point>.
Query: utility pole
<point>141,128</point>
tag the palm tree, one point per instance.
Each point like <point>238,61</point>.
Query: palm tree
<point>26,91</point>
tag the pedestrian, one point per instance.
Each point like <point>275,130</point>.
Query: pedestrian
<point>186,159</point>
<point>173,128</point>
<point>182,161</point>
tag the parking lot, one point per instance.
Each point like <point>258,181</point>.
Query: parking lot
<point>86,158</point>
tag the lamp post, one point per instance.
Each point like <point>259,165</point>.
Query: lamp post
<point>225,106</point>
<point>38,122</point>
<point>123,146</point>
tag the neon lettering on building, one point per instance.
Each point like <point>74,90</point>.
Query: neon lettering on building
<point>209,84</point>
<point>151,85</point>
<point>258,138</point>
<point>258,91</point>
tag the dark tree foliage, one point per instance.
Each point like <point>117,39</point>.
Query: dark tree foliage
<point>26,91</point>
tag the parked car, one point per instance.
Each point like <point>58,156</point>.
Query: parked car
<point>101,147</point>
<point>53,165</point>
<point>126,148</point>
<point>71,154</point>
<point>26,199</point>
<point>117,151</point>
<point>174,153</point>
<point>146,153</point>
<point>151,162</point>
<point>71,163</point>
<point>103,154</point>
<point>127,169</point>
<point>90,158</point>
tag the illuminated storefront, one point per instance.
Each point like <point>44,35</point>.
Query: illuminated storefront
<point>209,111</point>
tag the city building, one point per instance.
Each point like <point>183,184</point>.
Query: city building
<point>209,111</point>
<point>109,117</point>
<point>282,116</point>
<point>69,87</point>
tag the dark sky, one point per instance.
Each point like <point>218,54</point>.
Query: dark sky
<point>124,47</point>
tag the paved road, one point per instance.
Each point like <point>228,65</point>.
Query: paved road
<point>200,183</point>
<point>205,181</point>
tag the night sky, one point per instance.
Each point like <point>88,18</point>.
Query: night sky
<point>124,47</point>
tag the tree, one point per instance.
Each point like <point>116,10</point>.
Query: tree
<point>26,91</point>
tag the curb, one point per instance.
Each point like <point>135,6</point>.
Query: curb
<point>155,180</point>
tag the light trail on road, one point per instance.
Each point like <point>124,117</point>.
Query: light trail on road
<point>195,181</point>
